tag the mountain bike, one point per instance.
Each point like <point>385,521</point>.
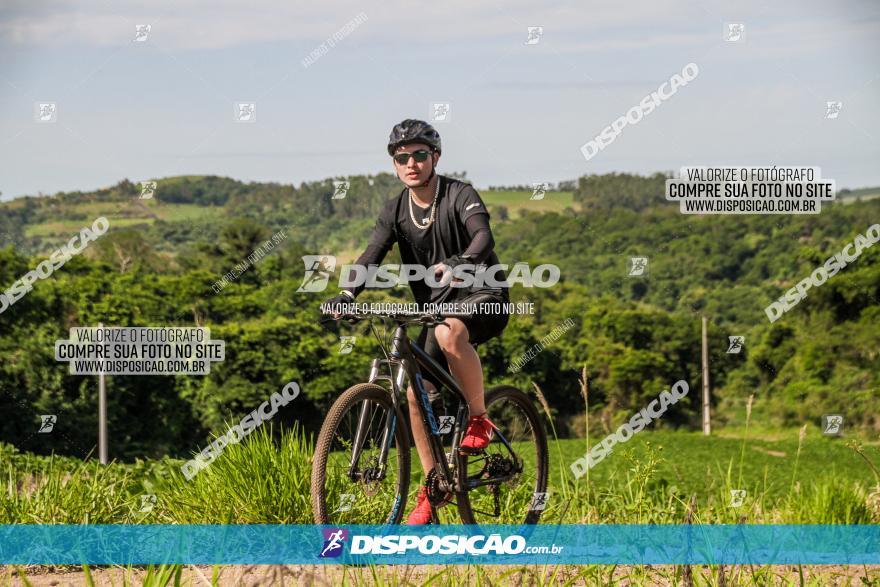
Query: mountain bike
<point>361,466</point>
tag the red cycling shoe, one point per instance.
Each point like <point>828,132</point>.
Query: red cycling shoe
<point>422,512</point>
<point>479,434</point>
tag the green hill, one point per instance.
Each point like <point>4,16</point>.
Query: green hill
<point>162,258</point>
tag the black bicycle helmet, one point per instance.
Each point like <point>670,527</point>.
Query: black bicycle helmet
<point>413,131</point>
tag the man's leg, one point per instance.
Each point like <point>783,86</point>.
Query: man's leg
<point>464,362</point>
<point>420,434</point>
<point>423,513</point>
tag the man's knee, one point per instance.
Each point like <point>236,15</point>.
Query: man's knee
<point>452,338</point>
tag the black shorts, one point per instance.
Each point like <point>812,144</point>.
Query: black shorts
<point>481,327</point>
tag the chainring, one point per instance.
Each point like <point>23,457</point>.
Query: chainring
<point>436,495</point>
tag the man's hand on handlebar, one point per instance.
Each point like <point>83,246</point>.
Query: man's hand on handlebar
<point>337,300</point>
<point>443,274</point>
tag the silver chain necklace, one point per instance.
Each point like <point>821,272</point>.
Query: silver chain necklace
<point>426,222</point>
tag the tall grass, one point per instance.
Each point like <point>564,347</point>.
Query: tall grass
<point>257,481</point>
<point>559,461</point>
<point>87,494</point>
<point>265,479</point>
<point>742,452</point>
<point>545,575</point>
<point>797,459</point>
<point>585,394</point>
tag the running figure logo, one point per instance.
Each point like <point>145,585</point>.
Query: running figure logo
<point>440,112</point>
<point>736,344</point>
<point>535,33</point>
<point>539,501</point>
<point>445,425</point>
<point>47,112</point>
<point>318,271</point>
<point>346,500</point>
<point>148,501</point>
<point>737,496</point>
<point>333,541</point>
<point>47,424</point>
<point>539,190</point>
<point>735,32</point>
<point>346,344</point>
<point>148,189</point>
<point>638,266</point>
<point>245,112</point>
<point>340,190</point>
<point>832,109</point>
<point>831,424</point>
<point>142,32</point>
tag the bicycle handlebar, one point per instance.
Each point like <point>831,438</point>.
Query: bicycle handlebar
<point>399,317</point>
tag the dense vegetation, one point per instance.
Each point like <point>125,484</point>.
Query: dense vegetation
<point>635,336</point>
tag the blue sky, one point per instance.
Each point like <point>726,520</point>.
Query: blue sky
<point>518,113</point>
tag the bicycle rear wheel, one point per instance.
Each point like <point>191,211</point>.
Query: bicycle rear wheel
<point>364,490</point>
<point>522,496</point>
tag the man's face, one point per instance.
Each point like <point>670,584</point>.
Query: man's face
<point>413,173</point>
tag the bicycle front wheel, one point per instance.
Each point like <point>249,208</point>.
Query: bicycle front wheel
<point>519,496</point>
<point>351,483</point>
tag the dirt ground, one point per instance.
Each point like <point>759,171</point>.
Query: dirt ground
<point>461,576</point>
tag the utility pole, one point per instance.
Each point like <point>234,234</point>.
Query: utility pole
<point>707,426</point>
<point>102,416</point>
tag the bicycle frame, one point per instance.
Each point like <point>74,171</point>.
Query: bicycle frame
<point>411,361</point>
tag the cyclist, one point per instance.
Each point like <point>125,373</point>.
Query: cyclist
<point>439,221</point>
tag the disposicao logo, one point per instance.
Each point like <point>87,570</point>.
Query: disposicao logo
<point>319,269</point>
<point>493,544</point>
<point>470,545</point>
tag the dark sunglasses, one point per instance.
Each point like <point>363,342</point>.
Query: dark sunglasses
<point>420,156</point>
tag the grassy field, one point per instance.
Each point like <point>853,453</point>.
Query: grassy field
<point>70,218</point>
<point>515,201</point>
<point>143,212</point>
<point>547,575</point>
<point>647,480</point>
<point>650,479</point>
<point>146,212</point>
<point>860,198</point>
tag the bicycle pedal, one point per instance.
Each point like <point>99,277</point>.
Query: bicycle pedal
<point>471,451</point>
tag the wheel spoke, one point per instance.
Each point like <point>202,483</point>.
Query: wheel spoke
<point>520,468</point>
<point>352,492</point>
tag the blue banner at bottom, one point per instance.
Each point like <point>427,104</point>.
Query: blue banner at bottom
<point>545,544</point>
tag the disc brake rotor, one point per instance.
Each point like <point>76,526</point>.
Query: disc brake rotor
<point>369,483</point>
